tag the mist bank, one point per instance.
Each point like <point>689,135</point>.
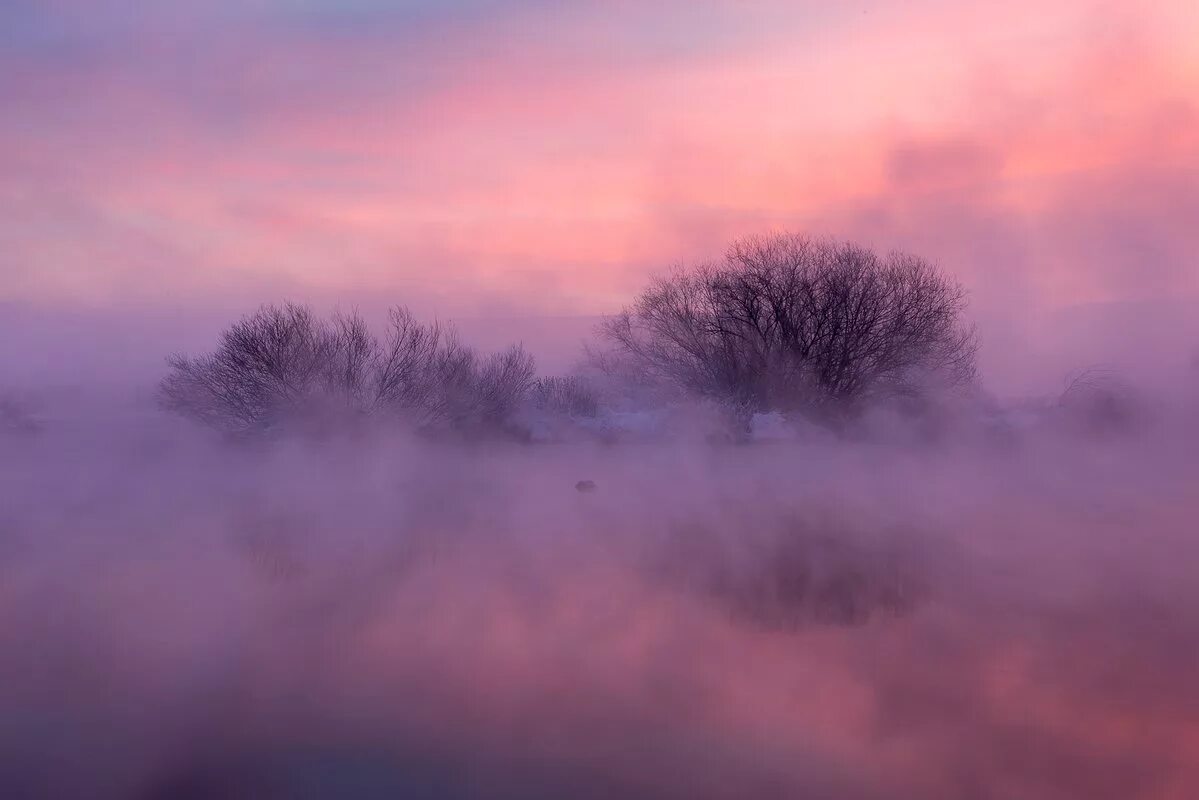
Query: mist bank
<point>183,617</point>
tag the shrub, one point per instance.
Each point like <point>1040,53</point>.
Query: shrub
<point>284,367</point>
<point>569,395</point>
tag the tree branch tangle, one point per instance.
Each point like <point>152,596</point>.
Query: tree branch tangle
<point>798,325</point>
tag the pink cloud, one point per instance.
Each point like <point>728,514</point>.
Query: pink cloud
<point>547,162</point>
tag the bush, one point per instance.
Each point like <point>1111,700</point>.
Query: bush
<point>570,396</point>
<point>282,367</point>
<point>1097,402</point>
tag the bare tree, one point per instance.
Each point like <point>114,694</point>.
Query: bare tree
<point>404,365</point>
<point>473,393</point>
<point>503,380</point>
<point>283,366</point>
<point>265,366</point>
<point>570,395</point>
<point>793,324</point>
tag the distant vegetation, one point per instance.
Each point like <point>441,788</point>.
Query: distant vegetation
<point>810,328</point>
<point>808,331</point>
<point>571,395</point>
<point>283,367</point>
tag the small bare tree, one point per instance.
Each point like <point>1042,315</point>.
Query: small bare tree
<point>402,368</point>
<point>793,324</point>
<point>1096,401</point>
<point>265,367</point>
<point>283,366</point>
<point>473,393</point>
<point>503,380</point>
<point>570,395</point>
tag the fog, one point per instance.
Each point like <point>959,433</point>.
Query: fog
<point>378,616</point>
<point>976,591</point>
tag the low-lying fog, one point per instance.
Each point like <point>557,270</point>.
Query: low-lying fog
<point>384,617</point>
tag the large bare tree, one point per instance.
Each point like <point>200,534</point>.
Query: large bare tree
<point>795,324</point>
<point>283,366</point>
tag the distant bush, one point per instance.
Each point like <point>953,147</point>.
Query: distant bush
<point>1098,402</point>
<point>568,395</point>
<point>283,367</point>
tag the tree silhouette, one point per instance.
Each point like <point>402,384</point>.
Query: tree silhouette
<point>798,325</point>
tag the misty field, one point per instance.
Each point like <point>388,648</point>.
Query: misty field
<point>388,616</point>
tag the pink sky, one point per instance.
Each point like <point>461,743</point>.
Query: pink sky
<point>532,158</point>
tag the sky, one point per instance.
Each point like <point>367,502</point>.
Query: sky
<point>538,160</point>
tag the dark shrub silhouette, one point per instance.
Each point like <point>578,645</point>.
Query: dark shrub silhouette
<point>283,367</point>
<point>570,395</point>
